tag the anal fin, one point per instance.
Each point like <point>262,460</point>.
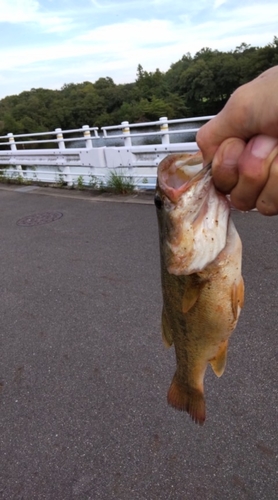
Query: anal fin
<point>237,297</point>
<point>218,363</point>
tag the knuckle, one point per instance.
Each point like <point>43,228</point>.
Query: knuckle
<point>266,208</point>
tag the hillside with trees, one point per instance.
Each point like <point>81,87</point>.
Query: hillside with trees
<point>193,86</point>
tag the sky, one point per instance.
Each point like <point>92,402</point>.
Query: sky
<point>49,43</point>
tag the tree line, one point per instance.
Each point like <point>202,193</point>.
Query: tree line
<point>193,86</point>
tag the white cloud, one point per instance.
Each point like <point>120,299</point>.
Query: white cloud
<point>218,3</point>
<point>30,12</point>
<point>252,21</point>
<point>18,11</point>
<point>123,40</point>
<point>116,48</point>
<point>133,33</point>
<point>163,41</point>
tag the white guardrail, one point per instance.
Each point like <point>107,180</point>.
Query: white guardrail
<point>132,151</point>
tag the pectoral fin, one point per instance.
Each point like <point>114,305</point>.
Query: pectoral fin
<point>190,297</point>
<point>219,362</point>
<point>167,336</point>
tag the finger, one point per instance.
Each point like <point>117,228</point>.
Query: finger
<point>208,139</point>
<point>225,164</point>
<point>232,121</point>
<point>267,202</point>
<point>253,168</point>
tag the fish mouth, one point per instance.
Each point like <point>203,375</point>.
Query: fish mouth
<point>178,173</point>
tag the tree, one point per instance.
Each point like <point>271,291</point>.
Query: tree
<point>192,86</point>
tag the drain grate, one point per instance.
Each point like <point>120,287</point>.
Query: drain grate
<point>39,219</point>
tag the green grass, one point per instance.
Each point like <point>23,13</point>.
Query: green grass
<point>120,184</point>
<point>80,182</point>
<point>117,182</point>
<point>16,177</point>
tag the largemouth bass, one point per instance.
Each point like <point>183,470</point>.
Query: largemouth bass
<point>202,286</point>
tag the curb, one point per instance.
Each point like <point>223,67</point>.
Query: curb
<point>138,198</point>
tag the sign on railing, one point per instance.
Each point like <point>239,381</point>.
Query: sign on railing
<point>71,156</point>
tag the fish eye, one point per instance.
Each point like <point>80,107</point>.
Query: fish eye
<point>158,201</point>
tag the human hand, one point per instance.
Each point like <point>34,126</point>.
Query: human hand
<point>242,141</point>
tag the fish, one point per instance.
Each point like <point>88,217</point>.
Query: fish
<point>202,284</point>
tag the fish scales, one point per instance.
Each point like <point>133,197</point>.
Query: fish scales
<point>202,286</point>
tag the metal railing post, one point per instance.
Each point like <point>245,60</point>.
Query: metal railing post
<point>126,134</point>
<point>12,141</point>
<point>61,145</point>
<point>87,136</point>
<point>165,129</point>
<point>13,147</point>
<point>60,138</point>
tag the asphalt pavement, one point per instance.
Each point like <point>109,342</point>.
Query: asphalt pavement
<point>84,374</point>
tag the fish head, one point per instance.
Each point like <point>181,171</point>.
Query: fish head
<point>192,214</point>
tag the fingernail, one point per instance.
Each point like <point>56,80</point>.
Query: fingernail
<point>263,145</point>
<point>230,160</point>
<point>231,153</point>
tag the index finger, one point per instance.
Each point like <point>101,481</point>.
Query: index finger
<point>230,122</point>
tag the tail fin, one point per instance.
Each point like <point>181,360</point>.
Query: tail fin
<point>190,400</point>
